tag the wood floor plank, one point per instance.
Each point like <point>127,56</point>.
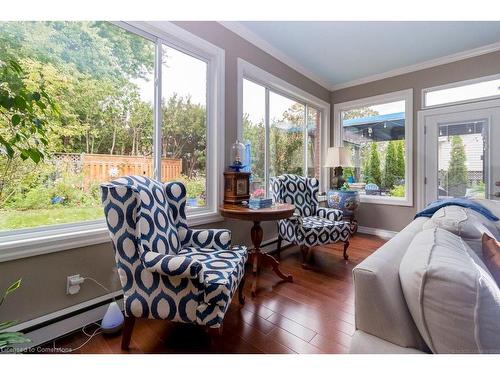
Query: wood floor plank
<point>293,342</point>
<point>292,327</point>
<point>329,345</point>
<point>314,314</point>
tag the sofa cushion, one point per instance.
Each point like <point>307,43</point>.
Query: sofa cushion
<point>464,222</point>
<point>451,296</point>
<point>491,256</point>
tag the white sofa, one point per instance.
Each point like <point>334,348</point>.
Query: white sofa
<point>383,320</point>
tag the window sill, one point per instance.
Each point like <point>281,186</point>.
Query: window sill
<point>27,243</point>
<point>386,201</point>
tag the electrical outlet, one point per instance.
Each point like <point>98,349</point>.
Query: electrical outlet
<point>73,284</point>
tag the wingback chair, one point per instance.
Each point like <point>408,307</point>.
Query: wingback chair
<point>167,270</point>
<point>311,225</point>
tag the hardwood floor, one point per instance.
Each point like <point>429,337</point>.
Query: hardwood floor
<point>314,314</point>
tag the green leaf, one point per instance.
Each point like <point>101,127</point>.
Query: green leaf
<point>9,336</point>
<point>15,66</point>
<point>19,102</point>
<point>13,287</point>
<point>16,119</point>
<point>7,324</point>
<point>41,105</point>
<point>35,155</point>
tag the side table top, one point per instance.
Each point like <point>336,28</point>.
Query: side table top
<point>276,212</point>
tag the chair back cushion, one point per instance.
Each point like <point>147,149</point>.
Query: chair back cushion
<point>157,230</point>
<point>176,198</point>
<point>297,190</point>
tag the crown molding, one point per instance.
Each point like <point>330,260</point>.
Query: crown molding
<point>421,66</point>
<point>245,33</point>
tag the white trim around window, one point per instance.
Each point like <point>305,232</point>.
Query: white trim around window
<point>407,96</point>
<point>23,243</point>
<point>253,73</point>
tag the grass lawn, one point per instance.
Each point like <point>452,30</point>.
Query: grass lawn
<point>14,219</point>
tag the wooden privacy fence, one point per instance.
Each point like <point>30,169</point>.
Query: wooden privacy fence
<point>101,168</point>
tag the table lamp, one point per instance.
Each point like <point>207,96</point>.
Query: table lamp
<point>336,158</point>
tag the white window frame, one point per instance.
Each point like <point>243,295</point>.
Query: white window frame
<point>459,84</point>
<point>26,242</point>
<point>407,96</point>
<point>272,83</point>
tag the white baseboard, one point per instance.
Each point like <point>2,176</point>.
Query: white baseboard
<point>64,326</point>
<point>383,233</point>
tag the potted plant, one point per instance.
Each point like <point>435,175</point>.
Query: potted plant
<point>8,339</point>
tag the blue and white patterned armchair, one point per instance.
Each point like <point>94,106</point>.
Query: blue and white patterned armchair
<point>311,225</point>
<point>167,270</point>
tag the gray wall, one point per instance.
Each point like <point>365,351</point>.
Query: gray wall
<point>44,276</point>
<point>396,218</point>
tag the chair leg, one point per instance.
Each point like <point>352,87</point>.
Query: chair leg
<point>127,331</point>
<point>217,332</point>
<point>241,296</point>
<point>305,252</point>
<point>346,245</point>
<point>278,249</point>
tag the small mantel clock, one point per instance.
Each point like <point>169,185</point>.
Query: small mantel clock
<point>236,186</point>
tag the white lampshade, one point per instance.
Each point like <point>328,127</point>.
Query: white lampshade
<point>338,156</point>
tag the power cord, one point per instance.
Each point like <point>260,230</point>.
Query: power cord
<point>97,331</point>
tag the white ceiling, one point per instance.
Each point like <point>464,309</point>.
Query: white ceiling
<point>339,54</point>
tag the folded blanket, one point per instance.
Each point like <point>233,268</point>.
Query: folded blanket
<point>473,205</point>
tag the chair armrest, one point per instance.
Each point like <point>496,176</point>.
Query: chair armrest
<point>329,213</point>
<point>172,265</point>
<point>295,219</point>
<point>218,239</point>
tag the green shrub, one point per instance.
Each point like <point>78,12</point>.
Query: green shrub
<point>36,198</point>
<point>195,187</point>
<point>38,187</point>
<point>398,191</point>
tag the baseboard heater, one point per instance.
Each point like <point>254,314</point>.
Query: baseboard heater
<point>52,326</point>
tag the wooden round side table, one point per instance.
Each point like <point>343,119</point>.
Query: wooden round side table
<point>256,257</point>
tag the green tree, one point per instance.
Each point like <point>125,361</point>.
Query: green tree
<point>359,113</point>
<point>373,167</point>
<point>184,133</point>
<point>253,134</point>
<point>391,166</point>
<point>287,141</point>
<point>99,49</point>
<point>400,159</point>
<point>23,120</point>
<point>456,176</point>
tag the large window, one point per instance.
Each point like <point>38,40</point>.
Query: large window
<point>377,131</point>
<point>283,144</point>
<point>109,119</point>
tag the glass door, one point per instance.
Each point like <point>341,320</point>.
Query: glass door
<point>462,154</point>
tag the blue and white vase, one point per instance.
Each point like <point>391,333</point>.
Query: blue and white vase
<point>345,200</point>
